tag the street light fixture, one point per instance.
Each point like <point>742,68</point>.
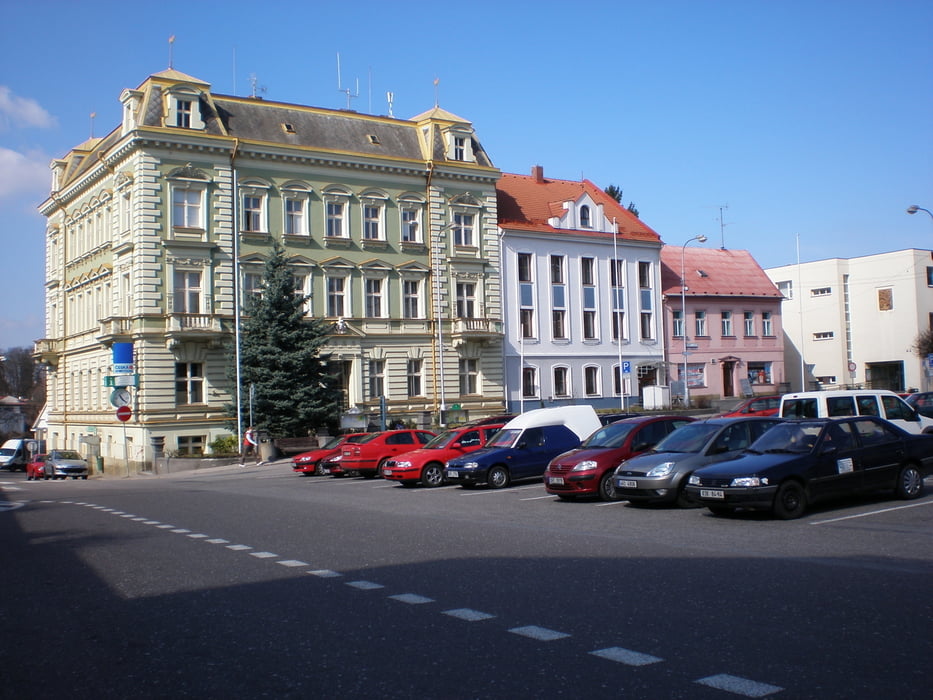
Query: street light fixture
<point>700,238</point>
<point>913,209</point>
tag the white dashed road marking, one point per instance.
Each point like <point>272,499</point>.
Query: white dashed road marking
<point>291,563</point>
<point>218,540</point>
<point>739,686</point>
<point>11,505</point>
<point>238,547</point>
<point>542,634</point>
<point>263,555</point>
<point>181,531</point>
<point>197,536</point>
<point>325,573</point>
<point>626,656</point>
<point>165,527</point>
<point>411,599</point>
<point>468,614</point>
<point>365,585</point>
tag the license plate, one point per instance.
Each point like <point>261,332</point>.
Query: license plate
<point>711,493</point>
<point>624,484</point>
<point>453,475</point>
<point>557,480</point>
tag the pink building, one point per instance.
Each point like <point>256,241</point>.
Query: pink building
<point>734,342</point>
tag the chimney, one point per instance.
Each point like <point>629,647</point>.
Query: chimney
<point>537,172</point>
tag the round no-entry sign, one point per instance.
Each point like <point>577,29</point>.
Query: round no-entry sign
<point>124,413</point>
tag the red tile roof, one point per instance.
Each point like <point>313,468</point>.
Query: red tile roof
<point>527,203</point>
<point>724,273</point>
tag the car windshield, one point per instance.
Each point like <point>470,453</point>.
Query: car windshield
<point>357,438</point>
<point>6,452</point>
<point>368,437</point>
<point>798,438</point>
<point>443,440</point>
<point>332,443</point>
<point>688,438</point>
<point>612,435</point>
<point>67,454</point>
<point>504,438</point>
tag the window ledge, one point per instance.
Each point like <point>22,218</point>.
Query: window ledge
<point>375,244</point>
<point>296,237</point>
<point>337,242</point>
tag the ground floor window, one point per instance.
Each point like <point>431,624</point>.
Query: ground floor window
<point>189,383</point>
<point>759,372</point>
<point>190,445</point>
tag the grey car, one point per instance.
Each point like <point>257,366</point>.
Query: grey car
<point>660,476</point>
<point>64,463</point>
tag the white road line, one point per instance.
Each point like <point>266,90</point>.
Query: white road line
<point>739,686</point>
<point>291,563</point>
<point>263,555</point>
<point>365,585</point>
<point>411,598</point>
<point>138,520</point>
<point>217,540</point>
<point>165,527</point>
<point>239,547</point>
<point>537,498</point>
<point>181,531</point>
<point>468,614</point>
<point>489,492</point>
<point>873,512</point>
<point>151,522</point>
<point>128,515</point>
<point>10,488</point>
<point>626,656</point>
<point>611,503</point>
<point>197,536</point>
<point>542,634</point>
<point>325,573</point>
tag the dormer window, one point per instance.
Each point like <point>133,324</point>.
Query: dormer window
<point>184,109</point>
<point>585,217</point>
<point>183,114</point>
<point>460,146</point>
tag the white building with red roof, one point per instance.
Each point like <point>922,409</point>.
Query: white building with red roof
<point>581,295</point>
<point>723,324</point>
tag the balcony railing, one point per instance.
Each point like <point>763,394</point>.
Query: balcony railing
<point>192,324</point>
<point>475,329</point>
<point>113,328</point>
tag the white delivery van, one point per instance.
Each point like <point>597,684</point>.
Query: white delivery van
<point>15,453</point>
<point>855,402</point>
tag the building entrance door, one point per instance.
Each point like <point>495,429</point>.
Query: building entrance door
<point>728,384</point>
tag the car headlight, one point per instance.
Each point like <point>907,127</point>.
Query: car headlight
<point>336,459</point>
<point>470,465</point>
<point>662,469</point>
<point>404,465</point>
<point>694,480</point>
<point>584,466</point>
<point>746,481</point>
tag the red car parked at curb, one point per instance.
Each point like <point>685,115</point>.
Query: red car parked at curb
<point>426,464</point>
<point>36,468</point>
<point>368,456</point>
<point>313,461</point>
<point>755,406</point>
<point>588,470</point>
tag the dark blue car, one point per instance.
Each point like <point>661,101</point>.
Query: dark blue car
<point>803,461</point>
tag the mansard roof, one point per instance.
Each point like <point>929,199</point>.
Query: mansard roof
<point>530,202</point>
<point>714,272</point>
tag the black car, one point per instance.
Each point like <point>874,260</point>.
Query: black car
<point>922,403</point>
<point>803,461</point>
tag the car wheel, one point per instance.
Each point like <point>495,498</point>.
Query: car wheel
<point>720,510</point>
<point>84,478</point>
<point>319,469</point>
<point>498,478</point>
<point>909,482</point>
<point>607,489</point>
<point>432,475</point>
<point>790,501</point>
<point>683,498</point>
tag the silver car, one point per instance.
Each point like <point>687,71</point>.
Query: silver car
<point>64,463</point>
<point>660,476</point>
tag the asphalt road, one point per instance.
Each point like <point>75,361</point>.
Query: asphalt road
<point>255,582</point>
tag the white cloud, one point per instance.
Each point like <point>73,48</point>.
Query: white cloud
<point>22,111</point>
<point>24,175</point>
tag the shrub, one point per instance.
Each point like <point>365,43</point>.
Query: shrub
<point>224,445</point>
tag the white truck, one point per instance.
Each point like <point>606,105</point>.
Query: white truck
<point>16,452</point>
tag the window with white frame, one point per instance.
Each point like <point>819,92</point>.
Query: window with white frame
<point>372,220</point>
<point>558,298</point>
<point>525,267</point>
<point>413,374</point>
<point>646,300</point>
<point>459,147</point>
<point>766,327</point>
<point>410,212</point>
<point>252,285</point>
<point>786,288</point>
<point>377,370</point>
<point>591,381</point>
<point>187,292</point>
<point>183,109</point>
<point>749,317</point>
<point>190,445</point>
<point>821,291</point>
<point>559,324</point>
<point>189,383</point>
<point>617,282</point>
<point>527,322</point>
<point>585,221</point>
<point>699,318</point>
<point>254,217</point>
<point>188,206</point>
<point>183,113</point>
<point>617,380</point>
<point>759,372</point>
<point>529,382</point>
<point>725,318</point>
<point>526,292</point>
<point>411,299</point>
<point>302,282</point>
<point>561,381</point>
<point>336,296</point>
<point>466,299</point>
<point>463,229</point>
<point>374,297</point>
<point>296,215</point>
<point>557,269</point>
<point>336,212</point>
<point>678,319</point>
<point>469,374</point>
<point>824,335</point>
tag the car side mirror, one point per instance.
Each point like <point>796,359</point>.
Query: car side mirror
<point>522,445</point>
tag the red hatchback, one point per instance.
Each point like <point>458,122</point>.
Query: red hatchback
<point>35,469</point>
<point>588,470</point>
<point>756,406</point>
<point>369,455</point>
<point>426,464</point>
<point>312,461</point>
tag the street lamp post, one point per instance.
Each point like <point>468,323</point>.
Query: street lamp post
<point>436,254</point>
<point>700,238</point>
<point>913,209</point>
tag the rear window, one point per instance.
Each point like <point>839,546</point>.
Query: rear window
<point>840,406</point>
<point>800,408</point>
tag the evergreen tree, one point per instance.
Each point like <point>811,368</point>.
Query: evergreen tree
<point>280,357</point>
<point>615,192</point>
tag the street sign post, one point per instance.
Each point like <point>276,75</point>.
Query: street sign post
<point>124,413</point>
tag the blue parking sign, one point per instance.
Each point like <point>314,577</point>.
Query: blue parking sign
<point>626,367</point>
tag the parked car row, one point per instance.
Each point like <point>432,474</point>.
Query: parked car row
<point>747,461</point>
<point>57,464</point>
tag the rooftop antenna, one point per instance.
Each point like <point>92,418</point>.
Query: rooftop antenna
<point>254,86</point>
<point>171,45</point>
<point>722,226</point>
<point>344,90</point>
<point>390,98</point>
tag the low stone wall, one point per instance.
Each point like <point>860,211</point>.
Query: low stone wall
<point>173,465</point>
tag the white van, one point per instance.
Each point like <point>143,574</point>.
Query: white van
<point>855,402</point>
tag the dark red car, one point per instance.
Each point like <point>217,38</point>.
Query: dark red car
<point>368,456</point>
<point>313,461</point>
<point>588,470</point>
<point>426,464</point>
<point>755,406</point>
<point>35,469</point>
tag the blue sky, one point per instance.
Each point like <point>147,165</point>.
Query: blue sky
<point>809,119</point>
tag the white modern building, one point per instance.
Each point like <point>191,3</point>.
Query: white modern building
<point>855,321</point>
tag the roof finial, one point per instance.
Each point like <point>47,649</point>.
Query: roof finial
<point>436,98</point>
<point>93,114</point>
<point>171,44</point>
